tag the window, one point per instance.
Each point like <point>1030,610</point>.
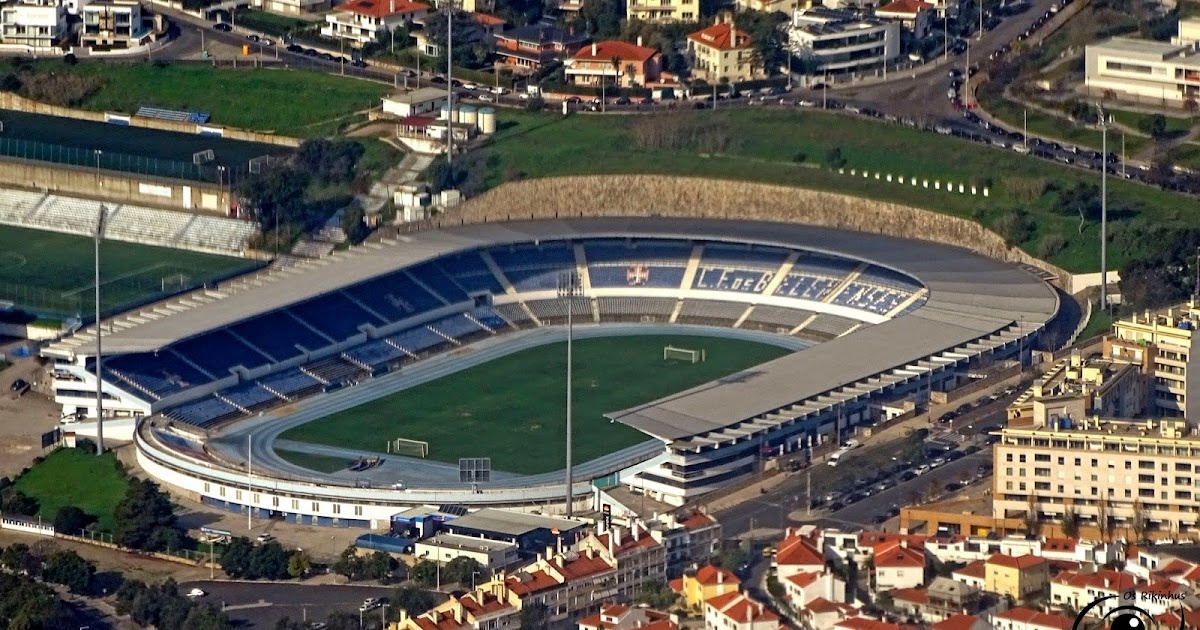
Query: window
<point>275,501</point>
<point>316,507</point>
<point>1078,462</point>
<point>1145,478</point>
<point>337,508</point>
<point>296,504</point>
<point>1038,472</point>
<point>1128,67</point>
<point>1041,457</point>
<point>207,490</point>
<point>1147,493</point>
<point>1042,485</point>
<point>358,509</point>
<point>1021,458</point>
<point>1181,467</point>
<point>1007,458</point>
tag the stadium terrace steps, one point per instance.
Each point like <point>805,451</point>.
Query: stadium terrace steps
<point>516,313</point>
<point>333,371</point>
<point>135,224</point>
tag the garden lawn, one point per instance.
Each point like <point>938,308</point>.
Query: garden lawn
<point>789,147</point>
<point>70,476</point>
<point>511,409</point>
<point>286,102</point>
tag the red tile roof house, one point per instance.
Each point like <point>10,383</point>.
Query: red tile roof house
<point>866,623</point>
<point>962,622</point>
<point>618,617</point>
<point>897,565</point>
<point>802,588</point>
<point>974,574</point>
<point>797,554</point>
<point>1026,619</point>
<point>736,611</point>
<point>1077,590</point>
<point>913,15</point>
<point>361,22</point>
<point>822,613</point>
<point>530,47</point>
<point>635,65</point>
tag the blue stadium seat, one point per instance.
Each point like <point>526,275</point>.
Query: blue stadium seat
<point>434,278</point>
<point>249,395</point>
<point>870,298</point>
<point>731,279</point>
<point>417,340</point>
<point>277,334</point>
<point>394,296</point>
<point>335,315</point>
<point>490,318</point>
<point>218,352</point>
<point>639,251</point>
<point>470,272</point>
<point>532,267</point>
<point>375,353</point>
<point>457,326</point>
<point>805,287</point>
<point>823,265</point>
<point>631,275</point>
<point>888,278</point>
<point>159,372</point>
<point>204,412</point>
<point>289,382</point>
<point>742,257</point>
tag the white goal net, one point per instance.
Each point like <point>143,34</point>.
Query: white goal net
<point>671,353</point>
<point>411,448</point>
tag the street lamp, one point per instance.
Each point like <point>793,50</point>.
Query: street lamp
<point>1103,208</point>
<point>101,218</point>
<point>569,288</point>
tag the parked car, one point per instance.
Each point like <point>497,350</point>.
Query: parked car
<point>295,48</point>
<point>370,603</point>
<point>195,593</point>
<point>19,386</point>
<point>254,38</point>
<point>223,27</point>
<point>265,537</point>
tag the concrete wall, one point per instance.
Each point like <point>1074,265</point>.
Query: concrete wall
<point>9,100</point>
<point>661,195</point>
<point>143,190</point>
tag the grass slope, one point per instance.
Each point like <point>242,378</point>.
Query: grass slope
<point>70,476</point>
<point>319,463</point>
<point>768,143</point>
<point>511,409</point>
<point>49,271</point>
<point>286,102</point>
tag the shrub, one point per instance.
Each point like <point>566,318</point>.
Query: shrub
<point>1051,246</point>
<point>1014,226</point>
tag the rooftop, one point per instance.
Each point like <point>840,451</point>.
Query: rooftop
<point>1145,50</point>
<point>512,523</point>
<point>1037,619</point>
<point>419,95</point>
<point>467,543</point>
<point>721,37</point>
<point>1026,561</point>
<point>540,33</point>
<point>904,7</point>
<point>1169,432</point>
<point>607,50</point>
<point>382,8</point>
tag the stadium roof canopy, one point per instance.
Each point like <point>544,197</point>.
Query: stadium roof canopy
<point>970,297</point>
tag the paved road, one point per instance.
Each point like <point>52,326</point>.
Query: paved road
<point>262,605</point>
<point>863,512</point>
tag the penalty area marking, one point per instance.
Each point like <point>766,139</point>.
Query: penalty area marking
<point>130,274</point>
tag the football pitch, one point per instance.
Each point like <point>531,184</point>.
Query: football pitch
<point>513,409</point>
<point>52,273</point>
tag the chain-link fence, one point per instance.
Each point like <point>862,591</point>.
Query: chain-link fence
<point>110,161</point>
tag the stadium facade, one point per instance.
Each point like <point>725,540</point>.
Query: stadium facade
<point>895,317</point>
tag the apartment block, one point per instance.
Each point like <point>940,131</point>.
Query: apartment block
<point>662,11</point>
<point>1167,72</point>
<point>1161,341</point>
<point>1105,470</point>
<point>1109,386</point>
<point>842,41</point>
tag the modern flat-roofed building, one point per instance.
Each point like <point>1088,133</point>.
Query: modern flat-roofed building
<point>663,10</point>
<point>38,24</point>
<point>1122,470</point>
<point>841,41</point>
<point>530,532</point>
<point>787,7</point>
<point>1076,388</point>
<point>115,24</point>
<point>491,554</point>
<point>415,102</point>
<point>1161,341</point>
<point>1148,71</point>
<point>533,46</point>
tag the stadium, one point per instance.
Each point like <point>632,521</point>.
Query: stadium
<point>212,379</point>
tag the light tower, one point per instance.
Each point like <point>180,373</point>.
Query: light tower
<point>101,218</point>
<point>569,288</point>
<point>1103,209</point>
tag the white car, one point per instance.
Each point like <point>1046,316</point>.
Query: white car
<point>265,538</point>
<point>499,91</point>
<point>370,603</point>
<point>195,593</point>
<point>922,469</point>
<point>852,443</point>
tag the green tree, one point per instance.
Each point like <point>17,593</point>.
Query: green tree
<point>535,617</point>
<point>27,605</point>
<point>350,564</point>
<point>656,594</point>
<point>70,570</point>
<point>72,520</point>
<point>1157,126</point>
<point>276,196</point>
<point>235,562</point>
<point>379,566</point>
<point>425,573</point>
<point>601,18</point>
<point>299,564</point>
<point>145,518</point>
<point>766,33</point>
<point>462,569</point>
<point>269,561</point>
<point>413,600</point>
<point>733,559</point>
<point>16,557</point>
<point>13,501</point>
<point>834,158</point>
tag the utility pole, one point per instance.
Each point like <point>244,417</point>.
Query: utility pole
<point>808,482</point>
<point>1122,155</point>
<point>946,33</point>
<point>249,484</point>
<point>1026,126</point>
<point>980,38</point>
<point>450,84</point>
<point>1103,209</point>
<point>569,288</point>
<point>101,217</point>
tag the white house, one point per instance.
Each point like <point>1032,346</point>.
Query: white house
<point>1026,619</point>
<point>841,41</point>
<point>797,554</point>
<point>35,24</point>
<point>898,566</point>
<point>913,15</point>
<point>361,22</point>
<point>415,102</point>
<point>492,554</point>
<point>804,588</point>
<point>736,611</point>
<point>117,24</point>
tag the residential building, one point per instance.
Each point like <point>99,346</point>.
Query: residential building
<point>722,53</point>
<point>621,617</point>
<point>1078,589</point>
<point>914,16</point>
<point>491,554</point>
<point>866,623</point>
<point>897,565</point>
<point>736,611</point>
<point>1188,32</point>
<point>1016,577</point>
<point>973,575</point>
<point>942,8</point>
<point>962,622</point>
<point>841,41</point>
<point>636,554</point>
<point>362,22</point>
<point>532,47</point>
<point>415,102</point>
<point>1159,73</point>
<point>1116,472</point>
<point>822,613</point>
<point>704,584</point>
<point>615,63</point>
<point>802,589</point>
<point>786,7</point>
<point>947,597</point>
<point>293,7</point>
<point>477,610</point>
<point>1075,388</point>
<point>117,24</point>
<point>797,554</point>
<point>661,11</point>
<point>1025,619</point>
<point>693,539</point>
<point>36,24</point>
<point>1161,341</point>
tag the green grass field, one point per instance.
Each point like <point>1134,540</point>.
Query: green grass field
<point>295,103</point>
<point>512,409</point>
<point>319,463</point>
<point>52,273</point>
<point>789,147</point>
<point>70,476</point>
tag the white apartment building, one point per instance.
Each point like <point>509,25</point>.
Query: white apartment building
<point>1161,342</point>
<point>841,41</point>
<point>115,24</point>
<point>361,22</point>
<point>663,11</point>
<point>1146,70</point>
<point>1100,467</point>
<point>35,24</point>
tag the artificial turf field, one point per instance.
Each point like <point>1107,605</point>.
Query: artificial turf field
<point>71,476</point>
<point>513,409</point>
<point>52,273</point>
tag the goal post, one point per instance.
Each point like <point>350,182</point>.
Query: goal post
<point>411,448</point>
<point>671,353</point>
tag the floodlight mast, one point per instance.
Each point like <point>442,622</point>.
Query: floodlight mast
<point>1103,208</point>
<point>101,216</point>
<point>569,288</point>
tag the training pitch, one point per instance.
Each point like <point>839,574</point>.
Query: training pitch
<point>52,273</point>
<point>513,409</point>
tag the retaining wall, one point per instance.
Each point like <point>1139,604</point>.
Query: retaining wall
<point>142,190</point>
<point>661,195</point>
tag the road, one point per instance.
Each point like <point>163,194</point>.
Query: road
<point>261,605</point>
